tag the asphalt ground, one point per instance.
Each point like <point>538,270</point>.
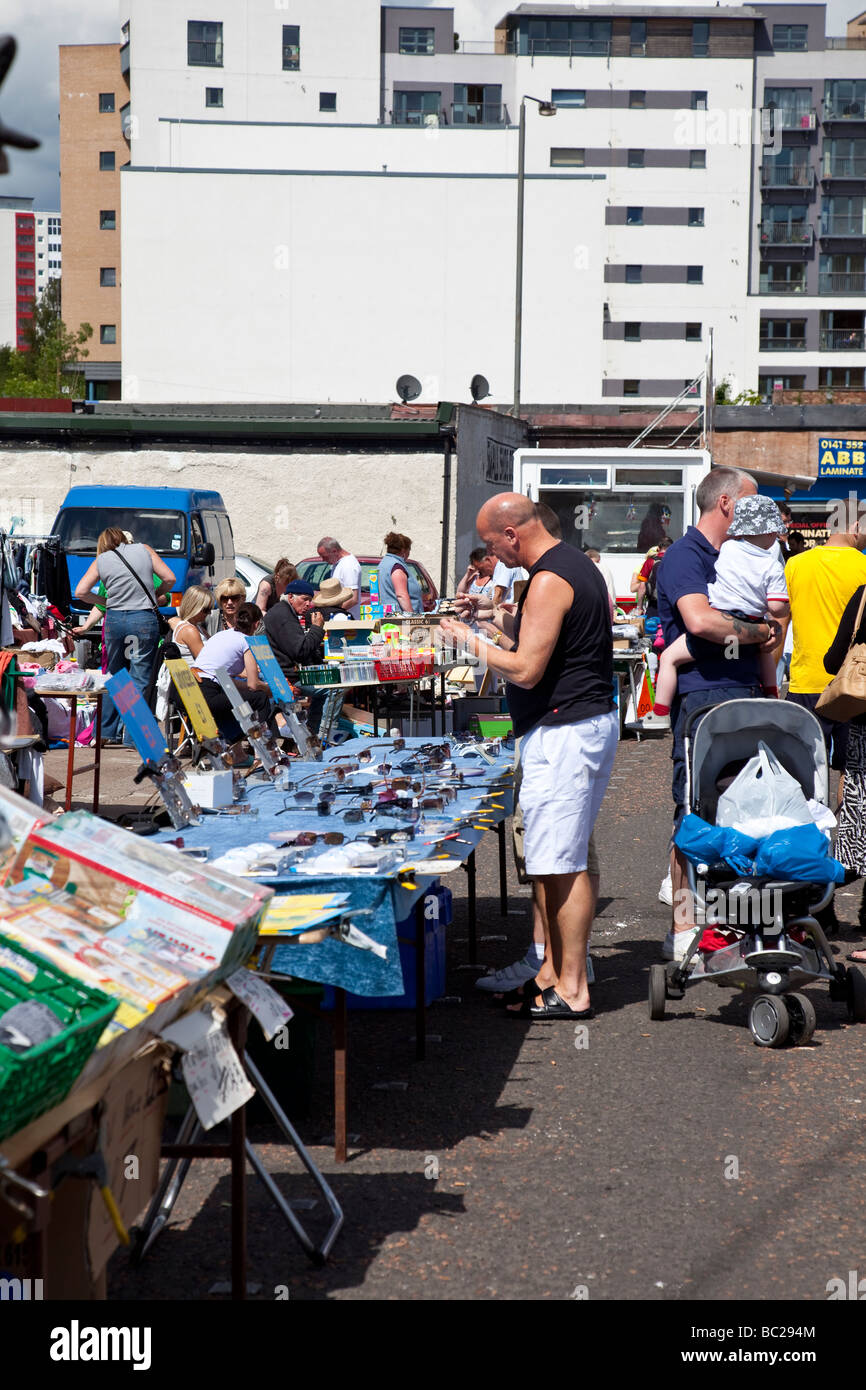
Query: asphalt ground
<point>659,1161</point>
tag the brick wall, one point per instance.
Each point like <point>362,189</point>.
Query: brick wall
<point>85,190</point>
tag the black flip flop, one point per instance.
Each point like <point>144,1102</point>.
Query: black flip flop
<point>527,990</point>
<point>554,1007</point>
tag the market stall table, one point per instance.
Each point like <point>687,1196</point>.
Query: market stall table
<point>381,899</point>
<point>73,696</point>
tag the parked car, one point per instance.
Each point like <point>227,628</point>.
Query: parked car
<point>315,570</point>
<point>190,530</point>
<point>251,572</point>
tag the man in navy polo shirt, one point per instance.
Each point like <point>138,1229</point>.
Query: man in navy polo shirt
<point>724,669</point>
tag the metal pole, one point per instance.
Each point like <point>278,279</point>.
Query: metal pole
<point>518,288</point>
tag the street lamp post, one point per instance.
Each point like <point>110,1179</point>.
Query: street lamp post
<point>545,108</point>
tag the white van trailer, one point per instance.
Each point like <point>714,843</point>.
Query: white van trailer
<point>621,501</point>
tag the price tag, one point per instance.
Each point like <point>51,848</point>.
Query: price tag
<point>261,999</point>
<point>215,1079</point>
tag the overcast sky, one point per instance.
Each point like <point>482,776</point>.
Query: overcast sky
<point>28,98</point>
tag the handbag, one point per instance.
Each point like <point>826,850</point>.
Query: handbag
<point>845,696</point>
<point>162,623</point>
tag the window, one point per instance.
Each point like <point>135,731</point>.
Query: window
<point>291,47</point>
<point>108,221</point>
<point>108,332</point>
<point>327,101</point>
<point>783,277</point>
<point>697,159</point>
<point>213,96</point>
<point>636,159</point>
<point>477,103</point>
<point>768,384</point>
<point>417,40</point>
<point>790,38</point>
<point>634,217</point>
<point>563,156</point>
<point>632,332</point>
<point>782,335</point>
<point>696,217</point>
<point>699,101</point>
<point>532,36</point>
<point>106,103</point>
<point>637,100</point>
<point>106,160</point>
<point>568,96</point>
<point>108,276</point>
<point>845,99</point>
<point>841,376</point>
<point>700,38</point>
<point>204,44</point>
<point>634,275</point>
<point>637,38</point>
<point>417,108</point>
<point>694,274</point>
<point>631,388</point>
<point>693,332</point>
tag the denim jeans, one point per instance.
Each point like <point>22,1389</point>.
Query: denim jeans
<point>131,640</point>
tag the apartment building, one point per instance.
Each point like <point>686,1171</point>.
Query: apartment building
<point>49,249</point>
<point>30,257</point>
<point>808,245</point>
<point>93,148</point>
<point>312,209</point>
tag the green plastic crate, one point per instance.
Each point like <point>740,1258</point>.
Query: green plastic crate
<point>32,1082</point>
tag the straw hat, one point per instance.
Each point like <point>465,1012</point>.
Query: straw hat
<point>331,594</point>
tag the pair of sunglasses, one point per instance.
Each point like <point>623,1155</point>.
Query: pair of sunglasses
<point>301,839</point>
<point>323,807</point>
<point>398,835</point>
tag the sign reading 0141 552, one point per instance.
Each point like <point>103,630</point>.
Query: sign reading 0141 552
<point>841,458</point>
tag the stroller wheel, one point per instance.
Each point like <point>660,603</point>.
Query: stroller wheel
<point>657,991</point>
<point>802,1015</point>
<point>856,994</point>
<point>769,1021</point>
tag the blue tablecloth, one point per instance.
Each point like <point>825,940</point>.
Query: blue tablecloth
<point>332,961</point>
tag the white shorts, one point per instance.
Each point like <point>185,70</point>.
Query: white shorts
<point>566,769</point>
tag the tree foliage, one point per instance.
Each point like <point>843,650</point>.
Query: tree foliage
<point>39,368</point>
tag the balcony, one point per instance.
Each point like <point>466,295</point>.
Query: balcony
<point>843,224</point>
<point>787,234</point>
<point>842,340</point>
<point>843,111</point>
<point>800,176</point>
<point>842,282</point>
<point>419,118</point>
<point>788,118</point>
<point>783,344</point>
<point>479,113</point>
<point>559,48</point>
<point>844,166</point>
<point>771,286</point>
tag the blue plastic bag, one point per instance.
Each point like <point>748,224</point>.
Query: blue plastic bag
<point>799,852</point>
<point>702,843</point>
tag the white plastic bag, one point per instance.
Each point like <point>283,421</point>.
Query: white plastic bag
<point>763,791</point>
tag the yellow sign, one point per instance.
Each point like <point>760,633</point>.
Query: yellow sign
<point>194,702</point>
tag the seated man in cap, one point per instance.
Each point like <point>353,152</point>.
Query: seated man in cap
<point>293,644</point>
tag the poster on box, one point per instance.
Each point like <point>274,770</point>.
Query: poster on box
<point>17,818</point>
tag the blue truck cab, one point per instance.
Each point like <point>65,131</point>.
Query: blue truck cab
<point>190,530</point>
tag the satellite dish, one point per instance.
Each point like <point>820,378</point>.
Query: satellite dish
<point>408,388</point>
<point>480,387</point>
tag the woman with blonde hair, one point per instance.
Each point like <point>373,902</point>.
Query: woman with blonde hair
<point>131,624</point>
<point>189,628</point>
<point>398,585</point>
<point>230,594</point>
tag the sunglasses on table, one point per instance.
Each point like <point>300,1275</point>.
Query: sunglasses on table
<point>396,835</point>
<point>306,800</point>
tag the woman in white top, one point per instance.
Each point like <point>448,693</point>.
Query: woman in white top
<point>189,628</point>
<point>229,650</point>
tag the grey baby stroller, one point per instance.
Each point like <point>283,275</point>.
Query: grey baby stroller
<point>772,939</point>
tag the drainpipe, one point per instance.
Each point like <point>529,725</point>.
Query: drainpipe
<point>446,510</point>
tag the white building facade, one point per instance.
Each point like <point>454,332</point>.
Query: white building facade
<point>314,209</point>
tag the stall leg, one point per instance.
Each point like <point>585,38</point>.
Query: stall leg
<point>97,753</point>
<point>238,1033</point>
<point>70,761</point>
<point>340,1119</point>
<point>420,982</point>
<point>473,921</point>
<point>375,703</point>
<point>503,873</point>
<point>441,700</point>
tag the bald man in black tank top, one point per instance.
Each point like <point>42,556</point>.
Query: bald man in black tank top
<point>559,689</point>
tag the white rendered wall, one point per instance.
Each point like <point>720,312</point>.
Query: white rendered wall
<point>276,287</point>
<point>340,52</point>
